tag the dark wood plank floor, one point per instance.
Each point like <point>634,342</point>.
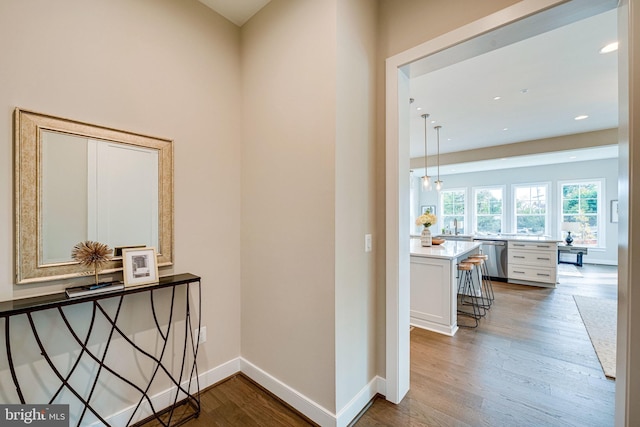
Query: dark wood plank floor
<point>530,363</point>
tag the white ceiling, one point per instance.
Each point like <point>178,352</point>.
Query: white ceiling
<point>236,11</point>
<point>544,82</point>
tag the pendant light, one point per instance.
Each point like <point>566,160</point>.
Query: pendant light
<point>426,181</point>
<point>438,181</point>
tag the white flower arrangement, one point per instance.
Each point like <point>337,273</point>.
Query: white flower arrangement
<point>427,219</point>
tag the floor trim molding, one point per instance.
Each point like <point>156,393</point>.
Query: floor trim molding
<point>360,401</point>
<point>292,397</point>
<point>295,399</point>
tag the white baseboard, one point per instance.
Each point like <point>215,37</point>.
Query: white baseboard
<point>308,407</point>
<point>586,260</point>
<point>296,400</point>
<point>360,401</point>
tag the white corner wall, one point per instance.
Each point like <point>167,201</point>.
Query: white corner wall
<point>355,206</point>
<point>288,196</point>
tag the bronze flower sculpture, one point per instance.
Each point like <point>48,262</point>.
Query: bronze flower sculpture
<point>92,253</point>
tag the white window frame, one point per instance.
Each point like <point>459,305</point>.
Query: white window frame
<point>474,210</point>
<point>549,205</point>
<point>467,224</point>
<point>602,209</point>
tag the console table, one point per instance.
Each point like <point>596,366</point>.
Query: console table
<point>578,251</point>
<point>185,387</point>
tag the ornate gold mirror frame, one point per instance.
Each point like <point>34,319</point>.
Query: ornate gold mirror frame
<point>28,131</point>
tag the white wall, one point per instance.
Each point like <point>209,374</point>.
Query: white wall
<point>308,295</point>
<point>355,200</point>
<point>606,169</point>
<point>162,67</point>
<point>288,195</point>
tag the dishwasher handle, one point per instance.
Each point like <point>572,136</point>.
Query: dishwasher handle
<point>492,242</point>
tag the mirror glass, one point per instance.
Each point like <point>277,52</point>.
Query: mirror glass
<point>76,182</point>
<point>96,190</point>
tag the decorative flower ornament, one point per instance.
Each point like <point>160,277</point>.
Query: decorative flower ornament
<point>427,219</point>
<point>92,253</point>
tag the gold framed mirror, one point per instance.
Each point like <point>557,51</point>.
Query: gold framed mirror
<point>76,181</point>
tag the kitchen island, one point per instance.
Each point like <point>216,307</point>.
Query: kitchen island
<point>518,258</point>
<point>434,284</point>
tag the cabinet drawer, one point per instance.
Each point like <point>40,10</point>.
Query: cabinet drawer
<point>532,258</point>
<point>534,246</point>
<point>533,274</point>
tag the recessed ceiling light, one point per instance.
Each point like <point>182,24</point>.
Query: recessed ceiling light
<point>504,158</point>
<point>419,108</point>
<point>495,98</point>
<point>505,128</point>
<point>611,47</point>
<point>448,139</point>
<point>433,121</point>
<point>573,157</point>
<point>582,117</point>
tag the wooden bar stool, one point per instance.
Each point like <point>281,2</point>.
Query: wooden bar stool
<point>479,293</point>
<point>486,278</point>
<point>465,287</point>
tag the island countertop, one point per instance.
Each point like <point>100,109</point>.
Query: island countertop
<point>450,249</point>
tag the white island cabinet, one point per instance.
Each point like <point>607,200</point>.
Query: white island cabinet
<point>434,284</point>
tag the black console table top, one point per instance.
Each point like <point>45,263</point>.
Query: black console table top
<point>184,382</point>
<point>45,302</point>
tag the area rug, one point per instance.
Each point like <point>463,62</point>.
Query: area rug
<point>568,270</point>
<point>600,318</point>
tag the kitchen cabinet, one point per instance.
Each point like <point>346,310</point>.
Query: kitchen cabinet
<point>434,284</point>
<point>533,263</point>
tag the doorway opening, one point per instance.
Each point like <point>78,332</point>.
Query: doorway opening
<point>514,24</point>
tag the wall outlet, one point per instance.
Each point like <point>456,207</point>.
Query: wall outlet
<point>201,334</point>
<point>367,243</point>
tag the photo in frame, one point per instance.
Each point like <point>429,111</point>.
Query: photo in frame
<point>428,208</point>
<point>140,266</point>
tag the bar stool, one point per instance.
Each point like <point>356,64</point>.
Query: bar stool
<point>465,287</point>
<point>479,292</point>
<point>486,278</point>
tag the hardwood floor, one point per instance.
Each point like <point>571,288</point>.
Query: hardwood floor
<point>238,401</point>
<point>530,363</point>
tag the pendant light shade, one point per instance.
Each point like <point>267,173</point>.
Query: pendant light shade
<point>426,181</point>
<point>438,181</point>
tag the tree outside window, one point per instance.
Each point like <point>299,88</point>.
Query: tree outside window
<point>489,205</point>
<point>580,213</point>
<point>453,208</point>
<point>531,208</point>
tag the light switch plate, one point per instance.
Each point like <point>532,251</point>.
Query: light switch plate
<point>367,242</point>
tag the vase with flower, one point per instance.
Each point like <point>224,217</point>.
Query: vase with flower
<point>427,219</point>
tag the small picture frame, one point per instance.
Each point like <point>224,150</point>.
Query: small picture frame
<point>428,208</point>
<point>614,211</point>
<point>140,266</point>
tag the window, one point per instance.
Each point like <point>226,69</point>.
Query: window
<point>489,209</point>
<point>531,210</point>
<point>452,206</point>
<point>580,213</point>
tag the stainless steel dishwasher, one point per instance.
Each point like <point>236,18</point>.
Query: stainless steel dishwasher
<point>496,250</point>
